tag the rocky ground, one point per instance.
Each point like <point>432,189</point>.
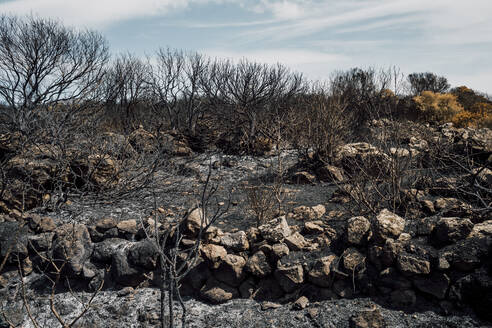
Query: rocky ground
<point>317,262</point>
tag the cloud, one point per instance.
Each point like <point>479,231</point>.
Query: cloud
<point>94,13</point>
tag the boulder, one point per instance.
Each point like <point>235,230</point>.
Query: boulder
<point>237,241</point>
<point>230,270</point>
<point>467,254</point>
<point>361,155</point>
<point>450,230</point>
<point>319,274</point>
<point>436,285</point>
<point>143,254</point>
<point>142,141</point>
<point>72,245</point>
<point>296,242</point>
<point>303,177</point>
<point>353,260</point>
<point>371,318</point>
<point>123,272</point>
<point>388,225</point>
<point>127,227</point>
<point>103,252</point>
<point>403,298</point>
<point>104,224</point>
<point>13,241</point>
<point>278,251</point>
<point>258,265</point>
<point>41,242</point>
<point>411,264</point>
<point>330,173</point>
<point>275,230</point>
<point>452,207</point>
<point>214,254</point>
<point>358,230</point>
<point>308,212</point>
<point>289,276</point>
<point>218,292</point>
<point>41,223</point>
<point>301,303</point>
<point>194,221</point>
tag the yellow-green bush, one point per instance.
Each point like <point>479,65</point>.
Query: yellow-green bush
<point>437,107</point>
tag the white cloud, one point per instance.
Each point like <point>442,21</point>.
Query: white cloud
<point>94,13</point>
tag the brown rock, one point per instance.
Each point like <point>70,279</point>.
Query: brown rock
<point>388,225</point>
<point>289,276</point>
<point>436,285</point>
<point>320,272</point>
<point>330,173</point>
<point>279,250</point>
<point>450,230</point>
<point>237,241</point>
<point>313,227</point>
<point>73,245</point>
<point>296,242</point>
<point>358,230</point>
<point>353,260</point>
<point>258,265</point>
<point>104,224</point>
<point>214,254</point>
<point>218,292</point>
<point>128,226</point>
<point>368,319</point>
<point>194,221</point>
<point>230,270</point>
<point>275,230</point>
<point>410,264</point>
<point>301,303</point>
<point>303,178</point>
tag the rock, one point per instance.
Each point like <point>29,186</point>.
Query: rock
<point>237,241</point>
<point>330,173</point>
<point>392,279</point>
<point>279,250</point>
<point>198,275</point>
<point>435,285</point>
<point>258,265</point>
<point>289,276</point>
<point>296,242</point>
<point>41,242</point>
<point>313,227</point>
<point>125,291</point>
<point>466,255</point>
<point>368,319</point>
<point>403,298</point>
<point>319,274</point>
<point>411,264</point>
<point>218,292</point>
<point>269,305</point>
<point>268,289</point>
<point>72,245</point>
<point>104,251</point>
<point>388,225</point>
<point>484,176</point>
<point>390,251</point>
<point>128,227</point>
<point>482,230</point>
<point>195,221</point>
<point>425,226</point>
<point>309,213</point>
<point>41,224</point>
<point>142,141</point>
<point>303,177</point>
<point>248,288</point>
<point>104,224</point>
<point>13,241</point>
<point>230,270</point>
<point>353,260</point>
<point>275,230</point>
<point>214,254</point>
<point>123,272</point>
<point>143,254</point>
<point>343,289</point>
<point>452,207</point>
<point>358,230</point>
<point>355,156</point>
<point>301,303</point>
<point>450,230</point>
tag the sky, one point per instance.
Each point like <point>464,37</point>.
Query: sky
<point>316,37</point>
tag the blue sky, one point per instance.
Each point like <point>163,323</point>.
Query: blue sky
<point>448,37</point>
